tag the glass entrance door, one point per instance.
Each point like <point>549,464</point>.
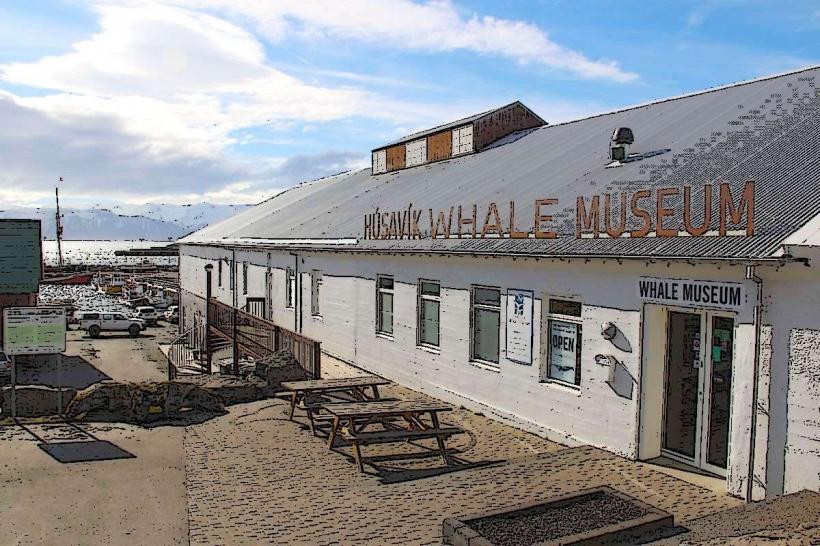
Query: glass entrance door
<point>683,358</point>
<point>698,389</point>
<point>719,391</point>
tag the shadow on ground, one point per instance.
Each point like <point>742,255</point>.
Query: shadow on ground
<point>85,451</point>
<point>402,466</point>
<point>73,372</point>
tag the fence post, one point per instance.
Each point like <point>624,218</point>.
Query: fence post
<point>317,360</point>
<point>235,344</point>
<point>207,344</point>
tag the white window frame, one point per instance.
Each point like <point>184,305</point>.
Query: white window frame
<point>427,297</point>
<point>290,288</point>
<point>548,317</point>
<point>473,307</point>
<point>316,293</point>
<point>379,292</point>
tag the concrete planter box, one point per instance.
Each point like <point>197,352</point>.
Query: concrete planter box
<point>467,531</point>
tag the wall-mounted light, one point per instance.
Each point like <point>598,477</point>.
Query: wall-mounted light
<point>609,331</point>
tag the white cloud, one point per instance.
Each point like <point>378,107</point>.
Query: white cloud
<point>154,102</point>
<point>436,25</point>
<point>180,80</point>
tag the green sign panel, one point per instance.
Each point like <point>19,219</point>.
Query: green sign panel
<point>20,256</point>
<point>33,330</point>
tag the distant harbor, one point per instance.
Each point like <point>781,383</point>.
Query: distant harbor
<point>95,253</point>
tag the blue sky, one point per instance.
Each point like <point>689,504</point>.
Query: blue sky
<point>230,101</point>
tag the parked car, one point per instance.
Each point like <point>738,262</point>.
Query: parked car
<point>161,302</point>
<point>147,314</point>
<point>95,322</point>
<point>5,364</point>
<point>172,314</point>
<point>137,302</point>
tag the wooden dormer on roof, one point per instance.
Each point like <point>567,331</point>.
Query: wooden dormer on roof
<point>464,136</point>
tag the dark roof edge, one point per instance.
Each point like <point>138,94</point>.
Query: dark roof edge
<point>765,260</point>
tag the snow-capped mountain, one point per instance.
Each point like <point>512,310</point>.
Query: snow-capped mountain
<point>155,222</point>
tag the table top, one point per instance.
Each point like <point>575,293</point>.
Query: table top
<point>340,383</point>
<point>385,407</point>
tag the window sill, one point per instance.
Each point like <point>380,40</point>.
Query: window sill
<point>489,366</point>
<point>429,349</point>
<point>568,387</point>
<point>388,337</point>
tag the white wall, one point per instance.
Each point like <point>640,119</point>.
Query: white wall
<point>792,300</point>
<point>594,413</point>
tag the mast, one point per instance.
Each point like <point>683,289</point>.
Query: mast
<point>59,224</point>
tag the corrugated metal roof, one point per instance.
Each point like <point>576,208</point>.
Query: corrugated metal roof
<point>766,130</point>
<point>452,125</point>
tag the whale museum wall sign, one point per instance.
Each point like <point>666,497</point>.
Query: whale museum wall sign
<point>593,217</point>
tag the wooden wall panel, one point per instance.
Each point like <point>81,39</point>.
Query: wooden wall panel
<point>396,157</point>
<point>501,123</point>
<point>379,160</point>
<point>439,146</point>
<point>416,152</point>
<point>463,140</point>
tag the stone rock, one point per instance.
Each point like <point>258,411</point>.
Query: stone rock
<point>143,402</point>
<point>37,400</point>
<point>231,390</point>
<point>278,367</point>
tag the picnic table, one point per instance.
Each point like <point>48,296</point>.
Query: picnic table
<point>350,419</point>
<point>310,392</point>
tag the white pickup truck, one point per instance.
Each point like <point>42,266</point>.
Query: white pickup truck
<point>95,322</point>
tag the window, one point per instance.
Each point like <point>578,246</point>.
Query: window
<point>485,319</point>
<point>119,317</point>
<point>384,305</point>
<point>429,310</point>
<point>563,339</point>
<point>315,292</point>
<point>244,277</point>
<point>290,288</point>
<point>219,273</point>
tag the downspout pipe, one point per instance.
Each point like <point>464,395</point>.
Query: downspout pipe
<point>297,289</point>
<point>758,318</point>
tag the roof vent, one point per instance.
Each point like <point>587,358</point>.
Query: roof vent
<point>622,137</point>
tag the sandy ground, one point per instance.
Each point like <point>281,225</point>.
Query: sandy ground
<point>252,476</point>
<point>135,500</point>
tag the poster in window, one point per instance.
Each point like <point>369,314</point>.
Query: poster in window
<point>519,326</point>
<point>563,350</point>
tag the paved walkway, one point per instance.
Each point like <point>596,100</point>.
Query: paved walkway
<point>254,476</point>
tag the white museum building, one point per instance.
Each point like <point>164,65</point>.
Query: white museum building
<point>644,281</point>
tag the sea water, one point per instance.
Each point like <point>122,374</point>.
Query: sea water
<point>102,253</point>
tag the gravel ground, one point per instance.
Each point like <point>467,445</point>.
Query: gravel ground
<point>551,522</point>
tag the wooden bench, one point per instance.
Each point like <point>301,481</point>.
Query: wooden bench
<point>358,439</point>
<point>311,394</point>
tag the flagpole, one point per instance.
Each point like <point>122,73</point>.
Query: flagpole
<point>59,225</point>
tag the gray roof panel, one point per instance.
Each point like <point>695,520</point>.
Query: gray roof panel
<point>766,130</point>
